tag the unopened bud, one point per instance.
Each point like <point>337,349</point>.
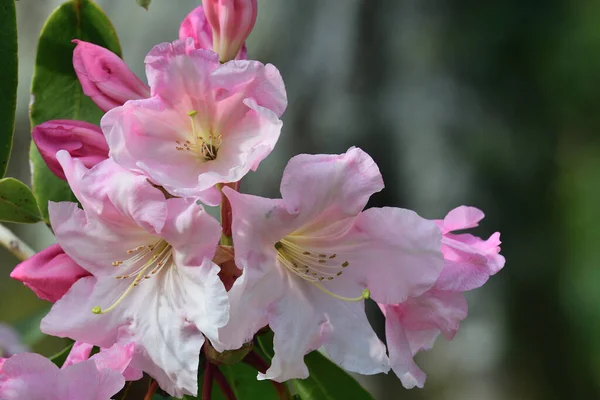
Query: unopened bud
<point>231,22</point>
<point>82,140</point>
<point>105,78</point>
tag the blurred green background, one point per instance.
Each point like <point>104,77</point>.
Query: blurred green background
<point>492,104</point>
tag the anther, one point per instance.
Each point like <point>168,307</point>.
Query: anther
<point>345,264</point>
<point>192,113</point>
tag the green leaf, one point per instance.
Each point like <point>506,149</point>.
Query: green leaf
<point>8,83</point>
<point>327,381</point>
<point>242,379</point>
<point>56,92</point>
<point>143,3</point>
<point>59,358</point>
<point>17,203</point>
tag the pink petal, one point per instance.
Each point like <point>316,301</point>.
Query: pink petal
<point>28,376</point>
<point>391,251</point>
<point>85,380</point>
<point>192,232</point>
<point>328,188</point>
<point>110,189</point>
<point>414,325</point>
<point>105,77</point>
<point>79,352</point>
<point>82,140</point>
<point>49,273</point>
<point>462,217</point>
<point>194,25</point>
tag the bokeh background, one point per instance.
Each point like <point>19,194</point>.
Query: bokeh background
<point>493,104</point>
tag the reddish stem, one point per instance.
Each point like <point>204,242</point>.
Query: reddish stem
<point>256,361</point>
<point>209,373</point>
<point>224,385</point>
<point>151,390</point>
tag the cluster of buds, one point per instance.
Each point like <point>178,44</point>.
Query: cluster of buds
<point>143,272</point>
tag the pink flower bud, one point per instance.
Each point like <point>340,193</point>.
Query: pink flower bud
<point>105,77</point>
<point>196,26</point>
<point>81,139</point>
<point>231,22</point>
<point>50,273</point>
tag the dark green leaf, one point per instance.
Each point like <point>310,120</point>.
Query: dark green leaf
<point>242,379</point>
<point>59,358</point>
<point>56,92</point>
<point>327,381</point>
<point>143,3</point>
<point>17,203</point>
<point>8,83</point>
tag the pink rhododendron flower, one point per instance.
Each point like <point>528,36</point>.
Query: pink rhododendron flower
<point>105,77</point>
<point>117,357</point>
<point>197,27</point>
<point>310,258</point>
<point>81,139</point>
<point>153,282</point>
<point>33,377</point>
<point>231,22</point>
<point>415,324</point>
<point>10,342</point>
<point>49,273</point>
<point>206,123</point>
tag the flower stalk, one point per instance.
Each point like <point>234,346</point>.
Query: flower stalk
<point>14,244</point>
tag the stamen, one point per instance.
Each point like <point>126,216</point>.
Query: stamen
<point>204,144</point>
<point>154,256</point>
<point>313,267</point>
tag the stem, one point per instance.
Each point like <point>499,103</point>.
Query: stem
<point>151,390</point>
<point>209,373</point>
<point>256,361</point>
<point>14,244</point>
<point>224,385</point>
<point>126,391</point>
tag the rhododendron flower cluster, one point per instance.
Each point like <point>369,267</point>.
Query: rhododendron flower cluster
<point>144,273</point>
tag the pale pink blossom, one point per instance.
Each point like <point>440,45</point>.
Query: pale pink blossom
<point>33,377</point>
<point>311,258</point>
<point>415,324</point>
<point>49,273</point>
<point>117,357</point>
<point>197,27</point>
<point>104,77</point>
<point>10,342</point>
<point>153,282</point>
<point>81,139</point>
<point>206,123</point>
<point>231,22</point>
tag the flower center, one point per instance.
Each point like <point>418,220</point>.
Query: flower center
<point>314,267</point>
<point>149,260</point>
<point>205,145</point>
